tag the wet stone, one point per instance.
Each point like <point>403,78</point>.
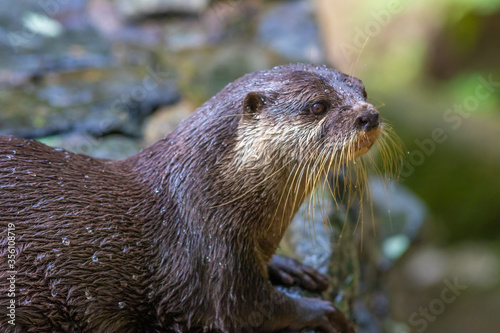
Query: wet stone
<point>137,9</point>
<point>94,102</point>
<point>296,39</point>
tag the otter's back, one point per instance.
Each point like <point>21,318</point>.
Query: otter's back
<point>78,237</point>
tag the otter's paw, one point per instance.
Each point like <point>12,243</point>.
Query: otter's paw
<point>321,315</point>
<point>288,272</point>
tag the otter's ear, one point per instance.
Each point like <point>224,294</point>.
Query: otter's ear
<point>253,103</point>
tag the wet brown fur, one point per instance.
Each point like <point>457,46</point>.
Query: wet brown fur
<point>177,236</point>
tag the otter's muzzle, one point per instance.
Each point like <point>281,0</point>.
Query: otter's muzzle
<point>367,119</point>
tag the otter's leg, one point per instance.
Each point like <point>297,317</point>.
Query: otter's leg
<point>295,314</point>
<point>288,272</point>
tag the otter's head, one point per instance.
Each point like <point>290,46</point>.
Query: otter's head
<point>314,117</point>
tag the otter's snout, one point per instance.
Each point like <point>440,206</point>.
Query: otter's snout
<point>367,119</point>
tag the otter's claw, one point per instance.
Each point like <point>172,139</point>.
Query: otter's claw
<point>322,316</point>
<point>288,272</point>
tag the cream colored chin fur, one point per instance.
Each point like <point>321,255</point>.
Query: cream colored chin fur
<point>263,144</point>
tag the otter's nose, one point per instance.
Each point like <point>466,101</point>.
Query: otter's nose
<point>367,120</point>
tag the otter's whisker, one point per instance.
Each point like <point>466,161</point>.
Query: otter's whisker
<point>263,181</point>
<point>231,115</point>
<point>291,175</point>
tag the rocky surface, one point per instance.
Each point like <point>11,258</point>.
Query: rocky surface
<point>297,39</point>
<point>137,9</point>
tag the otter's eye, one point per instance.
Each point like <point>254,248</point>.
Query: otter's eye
<point>318,108</point>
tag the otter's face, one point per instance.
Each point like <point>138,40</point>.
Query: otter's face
<point>309,115</point>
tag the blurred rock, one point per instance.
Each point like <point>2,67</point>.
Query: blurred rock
<point>398,204</point>
<point>115,147</point>
<point>41,37</point>
<point>185,35</point>
<point>400,217</point>
<point>137,9</point>
<point>461,280</point>
<point>223,21</point>
<point>94,102</point>
<point>476,264</point>
<point>165,121</point>
<point>290,29</point>
<point>203,73</point>
<point>308,238</point>
<point>105,17</point>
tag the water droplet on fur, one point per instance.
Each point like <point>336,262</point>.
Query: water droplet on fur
<point>162,210</point>
<point>87,294</point>
<point>89,230</point>
<point>256,116</point>
<point>134,276</point>
<point>121,305</point>
<point>65,241</point>
<point>54,293</point>
<point>327,91</point>
<point>94,258</point>
<point>50,266</point>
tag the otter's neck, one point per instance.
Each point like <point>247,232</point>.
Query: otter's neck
<point>197,186</point>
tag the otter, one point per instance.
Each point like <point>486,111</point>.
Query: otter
<point>181,237</point>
